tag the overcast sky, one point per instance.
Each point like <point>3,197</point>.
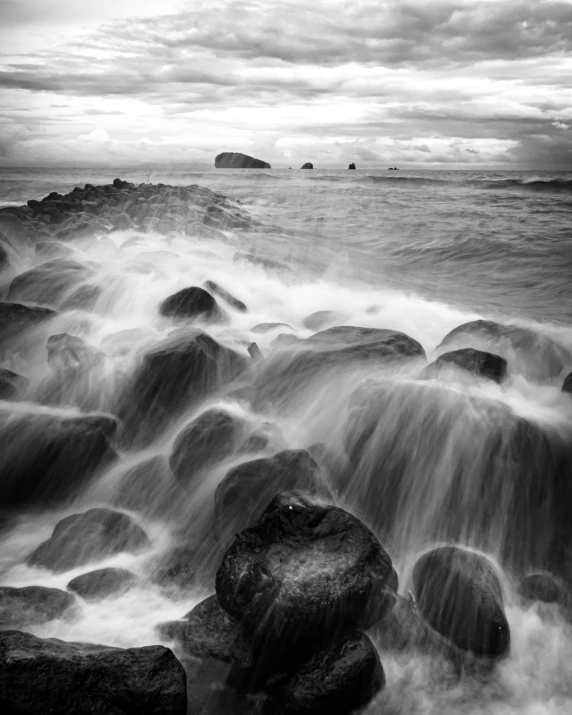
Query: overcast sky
<point>380,82</point>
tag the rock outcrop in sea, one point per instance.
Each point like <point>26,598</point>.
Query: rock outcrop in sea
<point>307,165</point>
<point>236,160</point>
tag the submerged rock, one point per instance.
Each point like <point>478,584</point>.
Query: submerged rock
<point>236,160</point>
<point>480,363</point>
<point>47,283</point>
<point>304,575</point>
<point>34,605</point>
<point>459,594</point>
<point>12,385</point>
<point>16,318</point>
<point>39,676</point>
<point>102,583</point>
<point>545,588</point>
<point>338,679</point>
<point>191,302</point>
<point>83,538</point>
<point>147,487</point>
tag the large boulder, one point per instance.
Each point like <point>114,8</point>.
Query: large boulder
<point>102,583</point>
<point>34,605</point>
<point>40,676</point>
<point>47,283</point>
<point>536,356</point>
<point>174,374</point>
<point>307,165</point>
<point>459,594</point>
<point>16,318</point>
<point>341,679</point>
<point>236,160</point>
<point>67,453</point>
<point>191,302</point>
<point>247,489</point>
<point>477,362</point>
<point>303,575</point>
<point>80,539</point>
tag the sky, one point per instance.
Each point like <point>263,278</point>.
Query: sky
<point>418,83</point>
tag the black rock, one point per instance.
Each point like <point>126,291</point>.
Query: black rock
<point>307,165</point>
<point>15,318</point>
<point>147,487</point>
<point>567,385</point>
<point>102,583</point>
<point>40,676</point>
<point>459,594</point>
<point>477,362</point>
<point>4,258</point>
<point>34,605</point>
<point>352,166</point>
<point>12,385</point>
<point>67,453</point>
<point>246,490</point>
<point>47,283</point>
<point>546,588</point>
<point>83,538</point>
<point>191,303</point>
<point>226,296</point>
<point>304,575</point>
<point>339,679</point>
<point>236,160</point>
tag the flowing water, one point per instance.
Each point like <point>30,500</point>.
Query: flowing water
<point>421,253</point>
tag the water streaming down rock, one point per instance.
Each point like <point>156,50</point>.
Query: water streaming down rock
<point>161,423</point>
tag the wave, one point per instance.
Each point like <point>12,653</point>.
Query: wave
<point>531,184</point>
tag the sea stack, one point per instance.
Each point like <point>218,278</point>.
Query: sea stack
<point>235,160</point>
<point>307,165</point>
<point>352,166</point>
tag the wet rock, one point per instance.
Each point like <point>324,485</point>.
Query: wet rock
<point>304,575</point>
<point>307,165</point>
<point>267,327</point>
<point>147,487</point>
<point>53,249</point>
<point>47,283</point>
<point>226,296</point>
<point>236,160</point>
<point>34,605</point>
<point>16,318</point>
<point>459,594</point>
<point>546,588</point>
<point>191,302</point>
<point>480,363</point>
<point>339,679</point>
<point>67,453</point>
<point>247,489</point>
<point>322,319</point>
<point>102,583</point>
<point>4,259</point>
<point>84,297</point>
<point>69,353</point>
<point>268,263</point>
<point>83,538</point>
<point>12,385</point>
<point>567,384</point>
<point>531,353</point>
<point>352,166</point>
<point>177,568</point>
<point>84,678</point>
<point>174,374</point>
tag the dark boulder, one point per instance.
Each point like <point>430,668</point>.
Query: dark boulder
<point>339,679</point>
<point>191,302</point>
<point>304,575</point>
<point>247,489</point>
<point>226,296</point>
<point>307,165</point>
<point>236,160</point>
<point>352,166</point>
<point>12,385</point>
<point>536,356</point>
<point>47,283</point>
<point>546,588</point>
<point>459,594</point>
<point>83,538</point>
<point>102,583</point>
<point>173,375</point>
<point>4,258</point>
<point>16,318</point>
<point>34,605</point>
<point>147,487</point>
<point>67,453</point>
<point>479,363</point>
<point>40,676</point>
<point>567,384</point>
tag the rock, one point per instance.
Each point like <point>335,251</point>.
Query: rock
<point>267,327</point>
<point>147,487</point>
<point>4,259</point>
<point>34,605</point>
<point>47,283</point>
<point>482,364</point>
<point>546,588</point>
<point>102,583</point>
<point>69,353</point>
<point>226,296</point>
<point>247,489</point>
<point>209,632</point>
<point>304,575</point>
<point>533,354</point>
<point>68,452</point>
<point>459,594</point>
<point>268,263</point>
<point>12,385</point>
<point>567,384</point>
<point>236,160</point>
<point>191,303</point>
<point>322,319</point>
<point>16,318</point>
<point>307,165</point>
<point>339,679</point>
<point>352,166</point>
<point>84,678</point>
<point>82,538</point>
<point>177,568</point>
<point>84,297</point>
<point>174,374</point>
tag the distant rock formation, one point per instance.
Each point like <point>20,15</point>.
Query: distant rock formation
<point>352,166</point>
<point>235,160</point>
<point>307,165</point>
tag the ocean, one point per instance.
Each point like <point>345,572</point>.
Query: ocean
<point>419,252</point>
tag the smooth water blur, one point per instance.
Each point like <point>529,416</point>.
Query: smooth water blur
<point>417,252</point>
